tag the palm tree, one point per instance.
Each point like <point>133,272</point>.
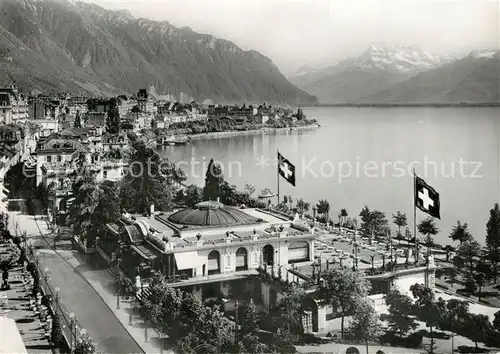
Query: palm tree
<point>323,207</point>
<point>343,215</point>
<point>400,220</point>
<point>428,228</point>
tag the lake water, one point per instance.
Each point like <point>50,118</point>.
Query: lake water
<point>365,156</point>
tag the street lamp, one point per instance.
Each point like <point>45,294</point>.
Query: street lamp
<point>58,295</point>
<point>72,328</point>
<point>46,278</point>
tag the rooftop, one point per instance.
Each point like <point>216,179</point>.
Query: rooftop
<point>212,214</point>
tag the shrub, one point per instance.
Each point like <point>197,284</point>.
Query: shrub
<point>414,340</point>
<point>470,286</point>
<point>56,334</point>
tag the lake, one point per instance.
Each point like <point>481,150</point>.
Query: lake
<point>365,156</point>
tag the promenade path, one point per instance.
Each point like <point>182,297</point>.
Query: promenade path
<point>67,271</point>
<point>16,305</point>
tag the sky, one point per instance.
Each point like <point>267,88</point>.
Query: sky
<point>319,33</point>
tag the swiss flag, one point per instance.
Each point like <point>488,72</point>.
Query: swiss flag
<point>286,169</point>
<point>426,198</point>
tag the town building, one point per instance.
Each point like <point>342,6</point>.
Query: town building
<point>62,155</point>
<point>144,102</point>
<point>112,142</point>
<point>5,108</point>
<point>37,108</point>
<point>209,243</point>
<point>158,122</point>
<point>13,106</point>
<point>46,127</point>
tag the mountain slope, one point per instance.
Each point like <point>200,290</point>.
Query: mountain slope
<point>376,69</point>
<point>473,79</point>
<point>55,45</point>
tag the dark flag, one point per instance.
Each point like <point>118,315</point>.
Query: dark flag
<point>286,169</point>
<point>426,198</point>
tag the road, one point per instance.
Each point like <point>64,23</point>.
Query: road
<point>91,311</point>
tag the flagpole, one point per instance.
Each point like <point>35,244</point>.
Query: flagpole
<point>415,215</point>
<point>278,176</point>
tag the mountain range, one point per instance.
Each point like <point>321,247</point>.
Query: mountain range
<point>405,75</point>
<point>62,46</point>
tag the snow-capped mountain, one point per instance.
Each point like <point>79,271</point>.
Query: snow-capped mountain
<point>399,59</point>
<point>473,79</point>
<point>377,68</point>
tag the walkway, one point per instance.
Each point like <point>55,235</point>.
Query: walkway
<point>16,305</point>
<point>67,271</point>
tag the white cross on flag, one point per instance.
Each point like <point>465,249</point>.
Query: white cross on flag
<point>286,169</point>
<point>426,198</point>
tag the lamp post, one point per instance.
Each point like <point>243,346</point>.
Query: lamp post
<point>83,334</point>
<point>57,295</point>
<point>46,278</point>
<point>118,288</point>
<point>72,325</point>
<point>25,236</point>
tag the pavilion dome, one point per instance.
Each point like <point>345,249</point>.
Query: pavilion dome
<point>212,214</point>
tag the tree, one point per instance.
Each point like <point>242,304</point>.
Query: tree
<point>452,273</point>
<point>193,195</point>
<point>484,269</point>
<point>149,181</point>
<point>249,189</point>
<point>373,220</point>
<point>460,233</point>
<point>323,207</point>
<point>343,289</point>
<point>250,320</point>
<point>479,278</point>
<point>202,327</point>
<point>496,321</point>
<point>428,309</point>
<point>86,196</point>
<point>213,181</point>
<point>108,207</point>
<point>365,324</point>
<point>469,251</point>
<point>78,120</point>
<point>113,120</point>
<point>478,328</point>
<point>458,312</point>
<point>399,312</point>
<point>290,308</point>
<point>428,228</point>
<point>400,220</point>
<point>470,284</point>
<point>302,206</point>
<point>343,215</point>
<point>249,328</point>
<point>493,239</point>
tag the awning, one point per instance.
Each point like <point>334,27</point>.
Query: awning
<point>188,260</point>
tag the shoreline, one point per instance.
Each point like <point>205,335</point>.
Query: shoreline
<point>408,105</point>
<point>227,134</point>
